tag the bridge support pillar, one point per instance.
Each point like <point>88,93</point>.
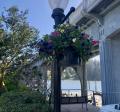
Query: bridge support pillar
<point>110,70</point>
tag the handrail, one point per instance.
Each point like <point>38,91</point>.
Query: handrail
<point>80,90</point>
<point>68,99</point>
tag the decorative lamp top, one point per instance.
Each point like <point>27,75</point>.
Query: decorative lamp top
<point>62,4</point>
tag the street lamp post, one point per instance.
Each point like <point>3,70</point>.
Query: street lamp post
<point>58,7</point>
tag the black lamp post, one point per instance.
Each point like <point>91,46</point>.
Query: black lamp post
<point>58,7</point>
<point>58,15</point>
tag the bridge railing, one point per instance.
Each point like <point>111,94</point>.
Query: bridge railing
<point>77,92</point>
<point>74,96</point>
<point>71,92</point>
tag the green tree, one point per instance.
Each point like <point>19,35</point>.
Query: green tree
<point>16,36</point>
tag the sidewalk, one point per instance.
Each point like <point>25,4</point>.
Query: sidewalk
<point>78,108</point>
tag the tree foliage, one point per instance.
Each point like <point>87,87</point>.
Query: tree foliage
<point>16,36</point>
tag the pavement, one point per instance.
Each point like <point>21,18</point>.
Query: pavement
<point>78,108</point>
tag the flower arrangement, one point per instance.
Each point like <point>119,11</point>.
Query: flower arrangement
<point>63,38</point>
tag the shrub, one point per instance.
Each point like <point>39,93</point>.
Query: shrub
<point>23,102</point>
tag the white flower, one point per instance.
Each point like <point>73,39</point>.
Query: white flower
<point>62,30</point>
<point>74,39</point>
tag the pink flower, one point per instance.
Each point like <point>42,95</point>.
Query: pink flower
<point>95,42</point>
<point>49,41</point>
<point>55,34</point>
<point>86,36</point>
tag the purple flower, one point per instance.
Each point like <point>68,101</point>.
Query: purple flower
<point>41,50</point>
<point>40,42</point>
<point>50,46</point>
<point>45,43</point>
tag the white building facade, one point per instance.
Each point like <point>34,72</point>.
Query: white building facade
<point>101,20</point>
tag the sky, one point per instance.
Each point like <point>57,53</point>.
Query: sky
<point>39,12</point>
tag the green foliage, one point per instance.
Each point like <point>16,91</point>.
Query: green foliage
<point>66,37</point>
<point>16,32</point>
<point>23,102</point>
<point>16,38</point>
<point>12,83</point>
<point>68,73</point>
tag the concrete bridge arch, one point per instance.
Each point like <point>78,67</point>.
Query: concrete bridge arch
<point>100,19</point>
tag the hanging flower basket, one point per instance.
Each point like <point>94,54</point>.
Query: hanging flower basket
<point>68,44</point>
